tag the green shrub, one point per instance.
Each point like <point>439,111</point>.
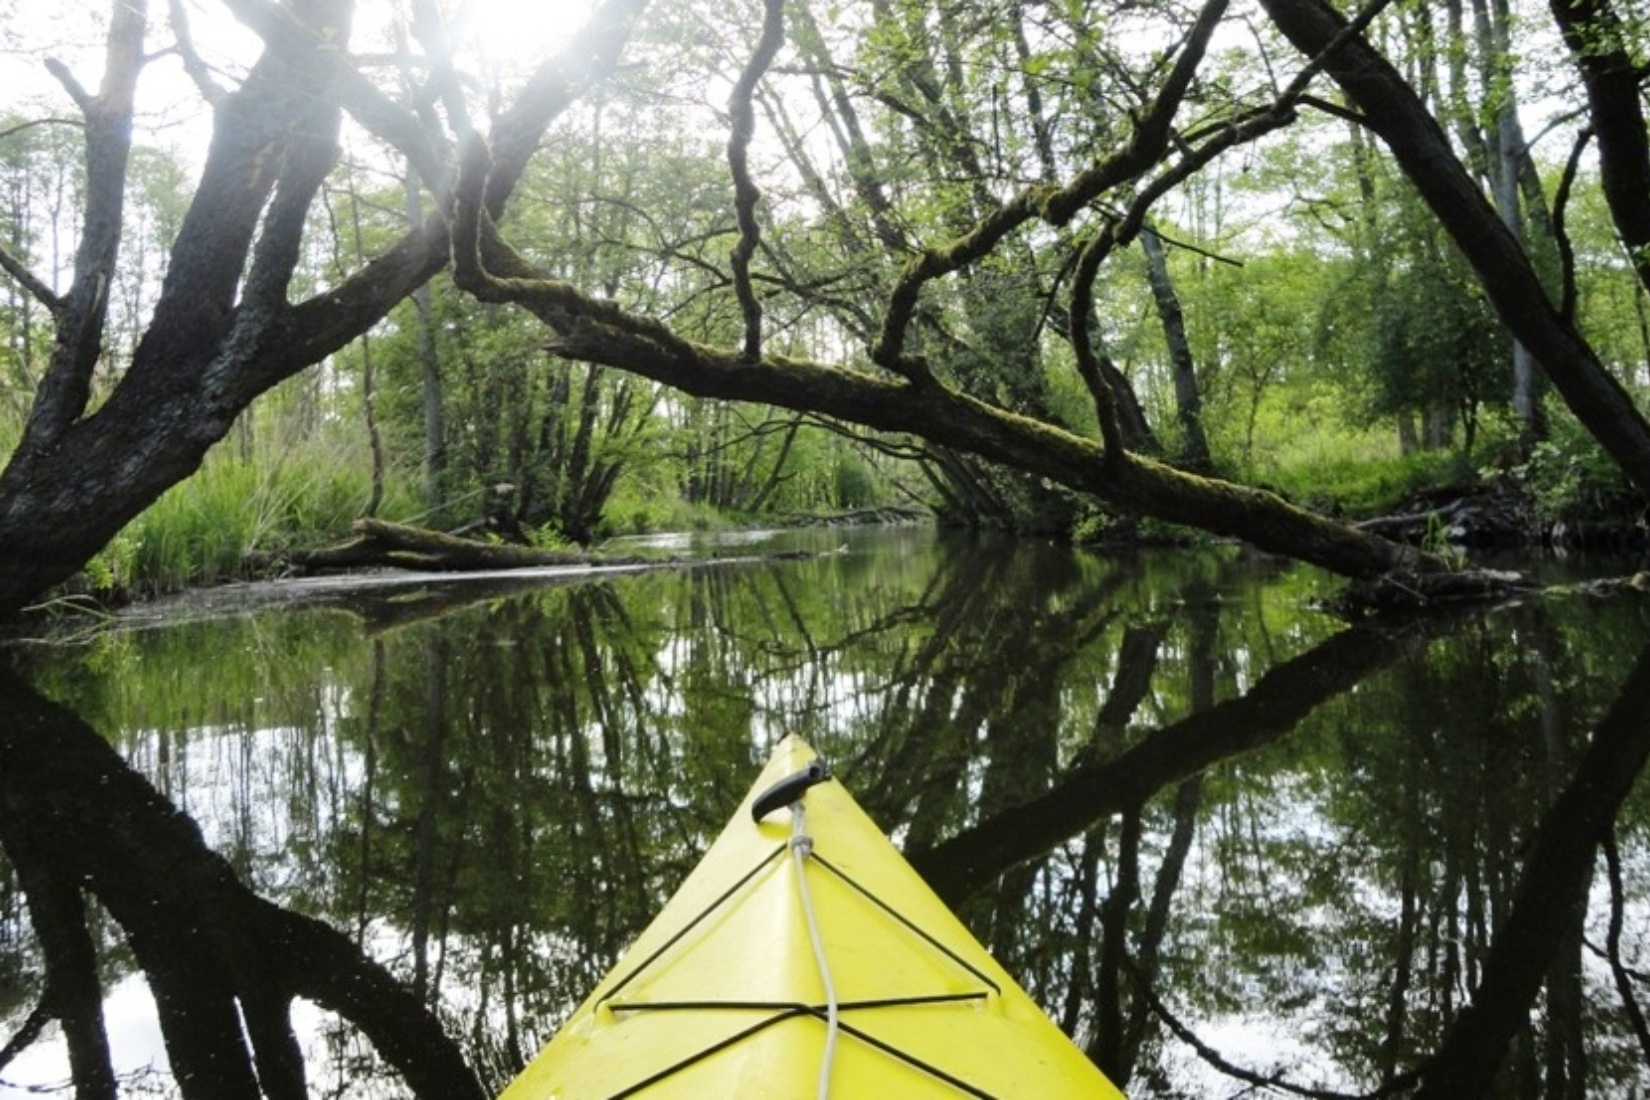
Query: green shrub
<point>643,510</point>
<point>1570,477</point>
<point>855,485</point>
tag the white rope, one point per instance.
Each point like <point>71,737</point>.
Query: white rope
<point>802,846</point>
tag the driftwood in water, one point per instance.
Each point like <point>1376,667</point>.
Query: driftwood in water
<point>1477,516</point>
<point>893,515</point>
<point>376,544</point>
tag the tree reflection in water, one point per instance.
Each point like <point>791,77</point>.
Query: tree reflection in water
<point>1184,808</point>
<point>224,964</point>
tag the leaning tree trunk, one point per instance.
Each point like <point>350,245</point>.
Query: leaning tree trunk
<point>909,398</point>
<point>1391,109</point>
<point>601,332</point>
<point>224,330</point>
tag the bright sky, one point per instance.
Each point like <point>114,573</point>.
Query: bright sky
<point>495,38</point>
<point>514,33</point>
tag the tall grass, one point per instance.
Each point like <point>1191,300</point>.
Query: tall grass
<point>237,516</point>
<point>1356,473</point>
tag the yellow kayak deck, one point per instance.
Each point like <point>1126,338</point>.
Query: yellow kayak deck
<point>723,995</point>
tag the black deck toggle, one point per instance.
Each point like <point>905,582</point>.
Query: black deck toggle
<point>790,789</point>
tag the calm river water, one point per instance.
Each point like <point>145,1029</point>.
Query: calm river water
<point>1231,843</point>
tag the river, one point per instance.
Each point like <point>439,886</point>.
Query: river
<point>1228,841</point>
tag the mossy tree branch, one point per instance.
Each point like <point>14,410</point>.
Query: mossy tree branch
<point>599,331</point>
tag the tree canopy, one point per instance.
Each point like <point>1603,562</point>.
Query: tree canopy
<point>911,217</point>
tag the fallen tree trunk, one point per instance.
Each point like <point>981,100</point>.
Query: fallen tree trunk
<point>598,331</point>
<point>376,544</point>
<point>892,515</point>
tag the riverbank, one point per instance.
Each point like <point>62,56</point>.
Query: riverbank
<point>382,561</point>
<point>1502,515</point>
<point>401,590</point>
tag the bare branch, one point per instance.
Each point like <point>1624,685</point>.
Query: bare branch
<point>369,106</point>
<point>38,289</point>
<point>1561,231</point>
<point>587,59</point>
<point>29,124</point>
<point>1082,338</point>
<point>1241,131</point>
<point>1196,249</point>
<point>33,1027</point>
<point>429,27</point>
<point>77,91</point>
<point>1057,206</point>
<point>836,107</point>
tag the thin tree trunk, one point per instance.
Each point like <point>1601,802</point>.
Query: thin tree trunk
<point>1505,155</point>
<point>429,363</point>
<point>375,439</point>
<point>776,474</point>
<point>1194,444</point>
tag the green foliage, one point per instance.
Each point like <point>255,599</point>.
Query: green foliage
<point>1569,478</point>
<point>1098,527</point>
<point>1438,542</point>
<point>636,510</point>
<point>855,485</point>
<point>546,538</point>
<point>1325,306</point>
<point>1436,342</point>
<point>1356,474</point>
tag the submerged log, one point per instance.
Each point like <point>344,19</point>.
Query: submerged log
<point>1410,593</point>
<point>377,544</point>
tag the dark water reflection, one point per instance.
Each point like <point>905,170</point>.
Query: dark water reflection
<point>1230,843</point>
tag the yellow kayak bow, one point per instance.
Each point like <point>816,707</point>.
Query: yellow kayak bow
<point>804,958</point>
